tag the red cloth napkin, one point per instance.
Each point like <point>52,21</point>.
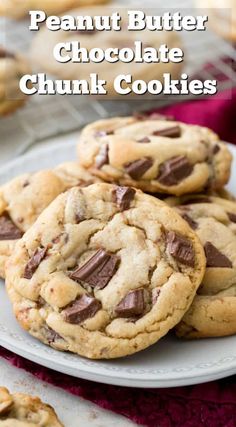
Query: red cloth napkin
<point>207,405</point>
<point>218,113</point>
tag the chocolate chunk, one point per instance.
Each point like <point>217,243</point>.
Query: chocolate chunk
<point>138,168</point>
<point>102,158</point>
<point>34,262</point>
<point>101,133</point>
<point>193,201</point>
<point>193,224</point>
<point>144,140</point>
<point>131,305</point>
<point>83,308</point>
<point>215,258</point>
<point>181,249</point>
<point>174,170</point>
<point>216,149</point>
<point>26,184</point>
<point>79,217</point>
<point>8,230</point>
<point>171,132</point>
<point>5,54</point>
<point>232,216</point>
<point>52,335</point>
<point>123,196</point>
<point>98,270</point>
<point>151,116</point>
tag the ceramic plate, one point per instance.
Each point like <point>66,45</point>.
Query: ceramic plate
<point>171,362</point>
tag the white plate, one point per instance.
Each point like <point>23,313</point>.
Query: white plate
<point>169,363</point>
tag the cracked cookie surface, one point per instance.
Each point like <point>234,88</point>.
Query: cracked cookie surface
<point>20,8</point>
<point>214,221</point>
<point>12,68</point>
<point>21,410</point>
<point>23,198</point>
<point>104,272</point>
<point>155,155</point>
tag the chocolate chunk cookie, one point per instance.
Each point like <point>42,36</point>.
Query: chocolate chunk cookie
<point>25,197</point>
<point>213,310</point>
<point>155,155</point>
<point>21,410</point>
<point>12,68</point>
<point>105,271</point>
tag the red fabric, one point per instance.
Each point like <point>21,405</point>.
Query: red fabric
<point>207,405</point>
<point>218,113</point>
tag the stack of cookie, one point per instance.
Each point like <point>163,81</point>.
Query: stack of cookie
<point>105,270</point>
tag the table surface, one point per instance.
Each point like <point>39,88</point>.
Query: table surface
<point>84,413</point>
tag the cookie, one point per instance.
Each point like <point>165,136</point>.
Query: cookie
<point>222,16</point>
<point>104,272</point>
<point>213,310</point>
<point>20,8</point>
<point>12,68</point>
<point>72,175</point>
<point>26,196</point>
<point>22,410</point>
<point>224,193</point>
<point>45,41</point>
<point>155,155</point>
